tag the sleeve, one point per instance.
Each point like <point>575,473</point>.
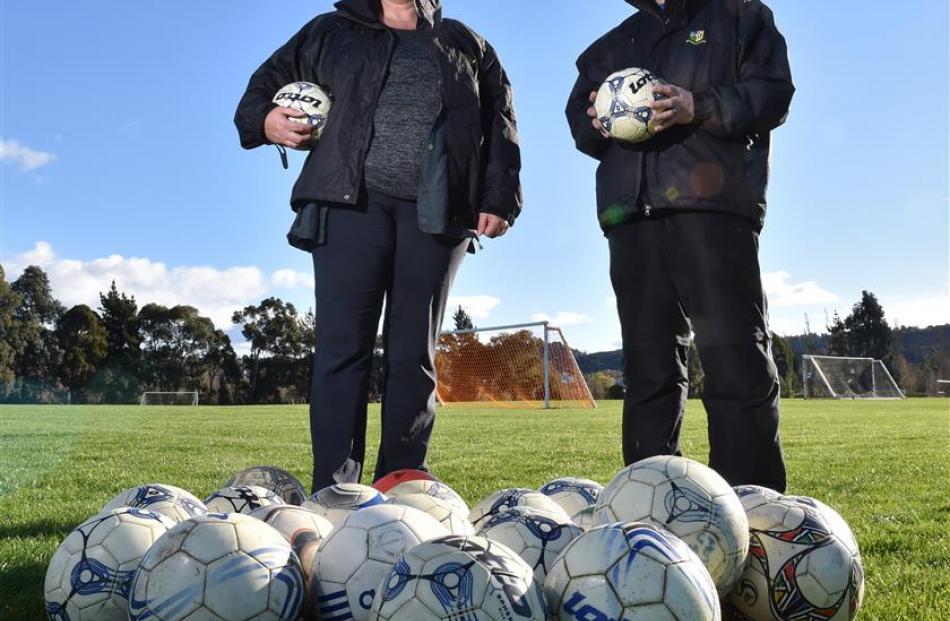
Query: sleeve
<point>587,139</point>
<point>501,177</point>
<point>760,99</point>
<point>282,68</point>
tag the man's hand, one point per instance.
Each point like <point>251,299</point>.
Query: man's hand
<point>677,109</point>
<point>279,128</point>
<point>491,226</point>
<point>592,113</point>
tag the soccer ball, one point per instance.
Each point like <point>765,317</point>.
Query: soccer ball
<point>242,499</point>
<point>691,501</point>
<point>514,497</point>
<point>91,571</point>
<point>534,535</point>
<point>276,480</point>
<point>310,99</point>
<point>336,502</point>
<point>304,530</point>
<point>585,518</point>
<point>630,571</point>
<point>573,494</point>
<point>623,104</point>
<point>460,578</point>
<point>218,566</point>
<point>436,489</point>
<point>172,502</point>
<point>751,496</point>
<point>393,479</point>
<point>804,563</point>
<point>456,523</point>
<point>352,561</point>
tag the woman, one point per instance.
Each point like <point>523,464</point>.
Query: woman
<point>419,156</point>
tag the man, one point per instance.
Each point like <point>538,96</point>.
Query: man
<point>682,213</point>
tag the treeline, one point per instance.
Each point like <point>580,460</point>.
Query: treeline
<point>916,357</point>
<point>117,351</point>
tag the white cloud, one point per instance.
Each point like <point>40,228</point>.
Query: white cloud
<point>563,318</point>
<point>292,279</point>
<point>782,292</point>
<point>28,159</point>
<point>214,292</point>
<point>477,306</point>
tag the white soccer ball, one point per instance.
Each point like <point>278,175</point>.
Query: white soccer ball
<point>630,571</point>
<point>585,518</point>
<point>310,99</point>
<point>460,578</point>
<point>243,499</point>
<point>172,502</point>
<point>623,104</point>
<point>573,494</point>
<point>352,561</point>
<point>804,563</point>
<point>536,536</point>
<point>436,489</point>
<point>279,481</point>
<point>336,502</point>
<point>230,567</point>
<point>691,501</point>
<point>456,523</point>
<point>91,571</point>
<point>751,496</point>
<point>304,530</point>
<point>505,499</point>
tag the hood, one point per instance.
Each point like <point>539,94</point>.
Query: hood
<point>674,7</point>
<point>367,11</point>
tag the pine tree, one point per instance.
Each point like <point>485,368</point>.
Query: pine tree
<point>463,321</point>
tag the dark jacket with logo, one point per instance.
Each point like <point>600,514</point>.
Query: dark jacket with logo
<point>472,163</point>
<point>734,60</point>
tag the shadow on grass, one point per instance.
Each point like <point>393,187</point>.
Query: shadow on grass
<point>21,592</point>
<point>38,528</point>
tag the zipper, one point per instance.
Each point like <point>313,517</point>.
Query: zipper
<point>647,209</point>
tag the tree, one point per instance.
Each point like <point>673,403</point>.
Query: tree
<point>119,380</point>
<point>463,321</point>
<point>9,300</point>
<point>38,353</point>
<point>784,364</point>
<point>85,344</point>
<point>864,333</point>
<point>838,337</point>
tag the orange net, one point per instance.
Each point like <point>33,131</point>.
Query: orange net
<point>506,369</point>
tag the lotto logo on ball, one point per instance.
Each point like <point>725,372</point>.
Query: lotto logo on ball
<point>623,104</point>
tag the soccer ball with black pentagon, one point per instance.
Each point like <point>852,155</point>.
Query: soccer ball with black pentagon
<point>536,536</point>
<point>352,561</point>
<point>623,104</point>
<point>336,502</point>
<point>243,499</point>
<point>456,578</point>
<point>172,502</point>
<point>228,567</point>
<point>90,574</point>
<point>275,479</point>
<point>630,571</point>
<point>309,98</point>
<point>691,501</point>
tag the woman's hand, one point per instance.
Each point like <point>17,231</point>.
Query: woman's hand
<point>491,226</point>
<point>592,113</point>
<point>280,129</point>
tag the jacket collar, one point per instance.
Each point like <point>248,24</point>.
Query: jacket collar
<point>367,11</point>
<point>678,9</point>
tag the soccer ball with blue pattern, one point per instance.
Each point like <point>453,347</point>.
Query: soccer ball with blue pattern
<point>623,104</point>
<point>172,502</point>
<point>460,579</point>
<point>505,499</point>
<point>337,502</point>
<point>534,535</point>
<point>630,571</point>
<point>692,502</point>
<point>90,574</point>
<point>572,493</point>
<point>231,567</point>
<point>242,499</point>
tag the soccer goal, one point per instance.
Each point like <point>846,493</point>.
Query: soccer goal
<point>847,378</point>
<point>185,397</point>
<point>524,365</point>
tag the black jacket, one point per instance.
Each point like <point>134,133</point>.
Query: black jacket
<point>731,56</point>
<point>473,161</point>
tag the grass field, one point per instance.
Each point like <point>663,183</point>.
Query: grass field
<point>884,465</point>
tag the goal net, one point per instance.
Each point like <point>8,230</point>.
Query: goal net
<point>169,398</point>
<point>527,365</point>
<point>847,378</point>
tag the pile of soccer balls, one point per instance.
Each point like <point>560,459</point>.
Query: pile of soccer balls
<point>667,539</point>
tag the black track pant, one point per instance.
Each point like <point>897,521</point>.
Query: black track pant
<point>674,272</point>
<point>375,252</point>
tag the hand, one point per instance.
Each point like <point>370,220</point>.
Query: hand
<point>677,108</point>
<point>592,113</point>
<point>491,226</point>
<point>280,129</point>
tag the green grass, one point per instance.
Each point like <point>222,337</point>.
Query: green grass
<point>884,465</point>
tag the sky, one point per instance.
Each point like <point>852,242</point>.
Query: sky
<point>119,160</point>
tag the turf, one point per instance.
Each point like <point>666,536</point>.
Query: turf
<point>884,465</point>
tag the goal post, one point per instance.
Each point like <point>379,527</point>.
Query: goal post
<point>520,365</point>
<point>181,397</point>
<point>839,377</point>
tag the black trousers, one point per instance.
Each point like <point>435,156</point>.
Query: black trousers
<point>674,273</point>
<point>376,252</point>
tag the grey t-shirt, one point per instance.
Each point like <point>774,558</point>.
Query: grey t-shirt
<point>408,106</point>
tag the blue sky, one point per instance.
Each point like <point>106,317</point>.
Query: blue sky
<point>119,160</point>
